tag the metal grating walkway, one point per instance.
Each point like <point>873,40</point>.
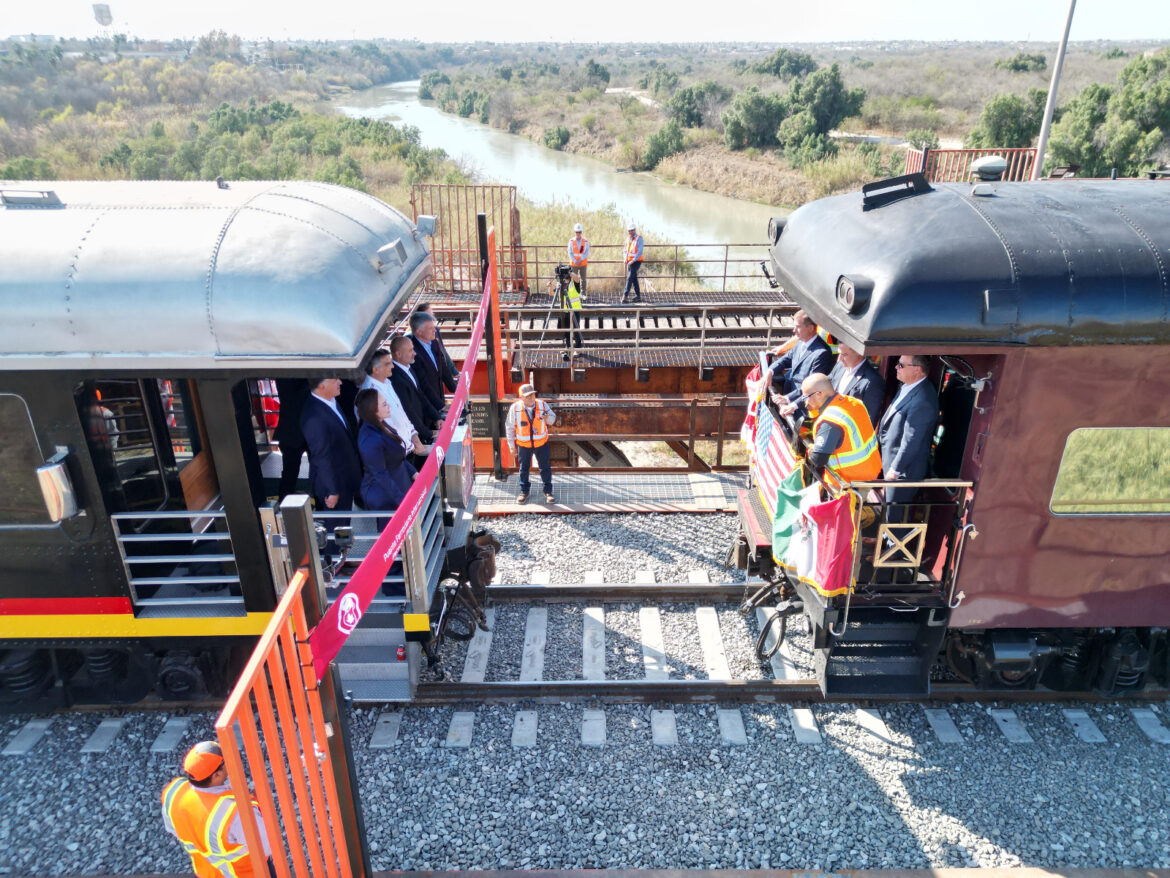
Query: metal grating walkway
<point>612,492</point>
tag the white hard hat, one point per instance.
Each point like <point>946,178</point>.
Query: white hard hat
<point>632,227</point>
<point>578,228</point>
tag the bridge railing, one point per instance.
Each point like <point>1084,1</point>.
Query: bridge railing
<point>954,165</point>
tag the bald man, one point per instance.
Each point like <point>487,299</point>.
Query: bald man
<point>843,437</point>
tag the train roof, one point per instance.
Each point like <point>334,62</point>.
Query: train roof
<point>1058,263</point>
<point>133,275</point>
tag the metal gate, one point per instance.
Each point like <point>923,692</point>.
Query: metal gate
<point>292,758</point>
<point>458,273</point>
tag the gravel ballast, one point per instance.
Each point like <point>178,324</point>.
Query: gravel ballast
<point>854,801</point>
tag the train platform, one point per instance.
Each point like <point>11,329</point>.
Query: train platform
<point>610,492</point>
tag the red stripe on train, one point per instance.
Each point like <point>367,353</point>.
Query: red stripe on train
<point>64,606</point>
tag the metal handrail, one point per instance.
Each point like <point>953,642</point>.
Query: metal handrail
<point>177,562</point>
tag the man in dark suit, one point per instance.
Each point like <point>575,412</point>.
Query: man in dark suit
<point>854,375</point>
<point>292,393</point>
<point>431,361</point>
<point>335,469</point>
<point>423,415</point>
<point>907,429</point>
<point>810,354</point>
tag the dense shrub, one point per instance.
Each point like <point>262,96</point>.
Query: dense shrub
<point>556,138</point>
<point>697,105</point>
<point>27,168</point>
<point>666,141</point>
<point>596,75</point>
<point>786,64</point>
<point>753,118</point>
<point>429,83</point>
<point>1008,121</point>
<point>1022,63</point>
<point>922,138</point>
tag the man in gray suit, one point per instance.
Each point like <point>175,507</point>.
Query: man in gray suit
<point>810,354</point>
<point>854,375</point>
<point>907,429</point>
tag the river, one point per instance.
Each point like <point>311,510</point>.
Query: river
<point>542,175</point>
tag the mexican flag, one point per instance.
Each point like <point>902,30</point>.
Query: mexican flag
<point>814,540</point>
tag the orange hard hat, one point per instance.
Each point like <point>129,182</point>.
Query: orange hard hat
<point>202,760</point>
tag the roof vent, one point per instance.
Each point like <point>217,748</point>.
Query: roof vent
<point>29,197</point>
<point>983,190</point>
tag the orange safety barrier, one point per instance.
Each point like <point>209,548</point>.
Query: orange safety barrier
<point>279,684</point>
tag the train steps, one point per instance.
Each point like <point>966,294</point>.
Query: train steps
<point>882,651</point>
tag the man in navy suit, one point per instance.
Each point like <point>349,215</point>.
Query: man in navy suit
<point>430,366</point>
<point>424,416</point>
<point>335,470</point>
<point>854,375</point>
<point>907,430</point>
<point>810,354</point>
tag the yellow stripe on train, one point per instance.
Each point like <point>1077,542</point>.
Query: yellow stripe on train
<point>128,625</point>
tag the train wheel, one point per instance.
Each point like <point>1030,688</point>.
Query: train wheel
<point>181,677</point>
<point>777,625</point>
<point>960,662</point>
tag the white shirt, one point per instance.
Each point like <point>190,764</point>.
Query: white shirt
<point>398,420</point>
<point>846,377</point>
<point>332,403</point>
<point>906,388</point>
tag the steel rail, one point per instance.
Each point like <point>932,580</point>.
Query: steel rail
<point>731,691</point>
<point>616,592</point>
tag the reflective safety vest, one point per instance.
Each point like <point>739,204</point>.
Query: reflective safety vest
<point>578,252</point>
<point>634,249</point>
<point>858,459</point>
<point>572,298</point>
<point>202,821</point>
<point>530,434</point>
<point>828,339</point>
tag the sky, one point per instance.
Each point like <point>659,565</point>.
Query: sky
<point>655,21</point>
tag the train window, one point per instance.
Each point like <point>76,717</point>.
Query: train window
<point>121,443</point>
<point>1114,471</point>
<point>21,501</point>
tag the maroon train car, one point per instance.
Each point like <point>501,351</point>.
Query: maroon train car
<point>1046,307</point>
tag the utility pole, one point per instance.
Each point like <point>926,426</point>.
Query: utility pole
<point>1050,104</point>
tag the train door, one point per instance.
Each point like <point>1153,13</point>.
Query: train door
<point>155,467</point>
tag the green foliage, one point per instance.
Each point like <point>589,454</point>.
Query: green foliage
<point>823,94</point>
<point>505,73</point>
<point>27,168</point>
<point>428,84</point>
<point>786,64</point>
<point>1114,52</point>
<point>753,118</point>
<point>697,105</point>
<point>343,171</point>
<point>595,74</point>
<point>1008,121</point>
<point>1022,63</point>
<point>556,138</point>
<point>891,113</point>
<point>665,82</point>
<point>802,142</point>
<point>666,141</point>
<point>923,138</point>
<point>589,122</point>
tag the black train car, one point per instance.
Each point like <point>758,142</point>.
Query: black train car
<point>145,326</point>
<point>1047,309</point>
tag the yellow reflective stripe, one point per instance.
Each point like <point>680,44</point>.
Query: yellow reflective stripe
<point>857,455</point>
<point>218,823</point>
<point>173,789</point>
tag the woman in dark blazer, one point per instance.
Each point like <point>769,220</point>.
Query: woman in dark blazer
<point>386,474</point>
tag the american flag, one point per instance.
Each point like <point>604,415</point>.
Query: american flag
<point>772,458</point>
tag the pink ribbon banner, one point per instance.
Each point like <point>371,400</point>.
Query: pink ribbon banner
<point>343,615</point>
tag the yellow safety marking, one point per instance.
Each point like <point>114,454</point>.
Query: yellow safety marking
<point>416,622</point>
<point>63,625</point>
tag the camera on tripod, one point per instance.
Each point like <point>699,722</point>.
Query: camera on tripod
<point>564,273</point>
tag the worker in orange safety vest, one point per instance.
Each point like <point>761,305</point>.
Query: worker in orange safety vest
<point>578,261</point>
<point>527,431</point>
<point>201,811</point>
<point>633,263</point>
<point>844,445</point>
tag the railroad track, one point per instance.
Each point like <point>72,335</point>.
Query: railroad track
<point>665,674</point>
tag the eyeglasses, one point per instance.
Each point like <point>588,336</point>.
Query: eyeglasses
<point>905,366</point>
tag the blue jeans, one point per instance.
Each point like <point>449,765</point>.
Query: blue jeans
<point>526,455</point>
